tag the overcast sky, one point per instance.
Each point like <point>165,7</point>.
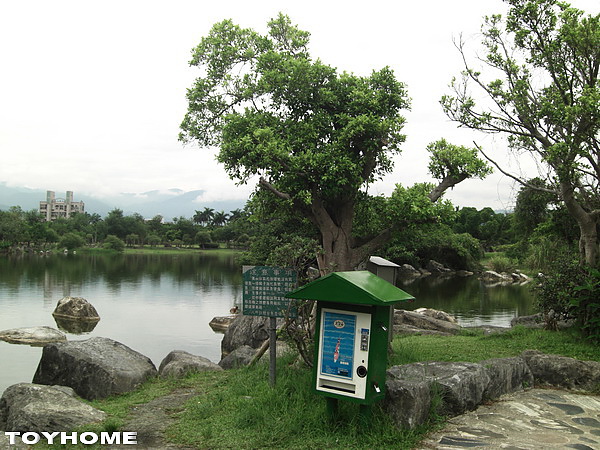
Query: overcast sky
<point>92,92</point>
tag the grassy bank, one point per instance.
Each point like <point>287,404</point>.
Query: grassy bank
<point>147,250</point>
<point>238,409</point>
<point>177,251</point>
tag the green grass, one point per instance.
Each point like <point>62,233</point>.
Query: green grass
<point>238,408</point>
<point>245,412</point>
<point>473,347</point>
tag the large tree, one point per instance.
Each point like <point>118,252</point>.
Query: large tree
<point>540,88</point>
<point>314,137</point>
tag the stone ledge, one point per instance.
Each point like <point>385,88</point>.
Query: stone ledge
<point>464,386</point>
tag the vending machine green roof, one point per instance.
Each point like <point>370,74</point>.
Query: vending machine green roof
<point>357,287</point>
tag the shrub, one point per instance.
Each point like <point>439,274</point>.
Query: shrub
<point>112,242</point>
<point>501,263</point>
<point>572,291</point>
<point>71,241</point>
<point>586,304</point>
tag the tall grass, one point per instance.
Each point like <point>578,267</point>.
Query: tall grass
<point>245,412</point>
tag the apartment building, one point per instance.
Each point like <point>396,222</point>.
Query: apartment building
<point>53,207</point>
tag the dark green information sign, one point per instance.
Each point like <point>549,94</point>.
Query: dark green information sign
<point>264,291</point>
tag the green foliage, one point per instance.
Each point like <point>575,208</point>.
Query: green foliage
<point>455,161</point>
<point>113,243</point>
<point>416,245</point>
<point>71,241</point>
<point>501,263</point>
<point>491,228</point>
<point>586,304</point>
<point>543,250</point>
<point>203,238</point>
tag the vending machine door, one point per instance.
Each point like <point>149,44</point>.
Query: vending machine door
<point>343,352</point>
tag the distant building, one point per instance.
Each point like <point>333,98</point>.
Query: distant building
<point>53,207</point>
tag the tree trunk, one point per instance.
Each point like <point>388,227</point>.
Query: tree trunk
<point>589,252</point>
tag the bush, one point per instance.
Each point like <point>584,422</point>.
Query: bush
<point>71,241</point>
<point>572,291</point>
<point>501,263</point>
<point>112,242</point>
<point>586,304</point>
<point>543,250</point>
<point>418,245</point>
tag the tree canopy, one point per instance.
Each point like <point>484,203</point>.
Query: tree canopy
<point>539,86</point>
<point>314,137</point>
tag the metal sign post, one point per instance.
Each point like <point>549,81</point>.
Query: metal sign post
<point>264,295</point>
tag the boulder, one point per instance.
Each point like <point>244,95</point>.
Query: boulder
<point>533,321</point>
<point>179,363</point>
<point>75,326</point>
<point>221,323</point>
<point>562,371</point>
<point>436,314</point>
<point>240,357</point>
<point>491,277</point>
<point>95,368</point>
<point>407,400</point>
<point>436,267</point>
<point>33,407</point>
<point>245,330</point>
<point>411,320</point>
<point>507,375</point>
<point>406,270</point>
<point>460,384</point>
<point>76,308</point>
<point>32,335</point>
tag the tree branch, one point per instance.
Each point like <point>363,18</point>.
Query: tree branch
<point>517,179</point>
<point>268,186</point>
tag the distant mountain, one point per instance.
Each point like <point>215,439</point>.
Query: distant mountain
<point>169,204</point>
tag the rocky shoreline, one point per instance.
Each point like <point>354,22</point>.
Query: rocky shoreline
<point>100,367</point>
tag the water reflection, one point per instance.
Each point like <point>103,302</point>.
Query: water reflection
<point>471,301</point>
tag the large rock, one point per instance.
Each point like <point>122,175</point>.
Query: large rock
<point>240,357</point>
<point>407,400</point>
<point>460,384</point>
<point>179,363</point>
<point>406,270</point>
<point>32,335</point>
<point>436,267</point>
<point>562,371</point>
<point>507,375</point>
<point>221,323</point>
<point>436,314</point>
<point>75,308</point>
<point>491,277</point>
<point>411,320</point>
<point>95,368</point>
<point>33,407</point>
<point>532,321</point>
<point>245,330</point>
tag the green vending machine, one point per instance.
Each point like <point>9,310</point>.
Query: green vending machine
<point>351,337</point>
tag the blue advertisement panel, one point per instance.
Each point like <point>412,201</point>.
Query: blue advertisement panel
<point>337,348</point>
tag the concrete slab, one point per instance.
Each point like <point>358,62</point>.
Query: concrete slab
<point>534,419</point>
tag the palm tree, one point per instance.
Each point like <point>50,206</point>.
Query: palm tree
<point>220,218</point>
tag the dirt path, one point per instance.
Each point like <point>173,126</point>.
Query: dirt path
<point>150,420</point>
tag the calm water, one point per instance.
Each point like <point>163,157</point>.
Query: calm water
<point>151,303</point>
<point>158,303</point>
<point>472,302</point>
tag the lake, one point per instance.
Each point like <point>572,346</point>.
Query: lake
<point>158,303</point>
